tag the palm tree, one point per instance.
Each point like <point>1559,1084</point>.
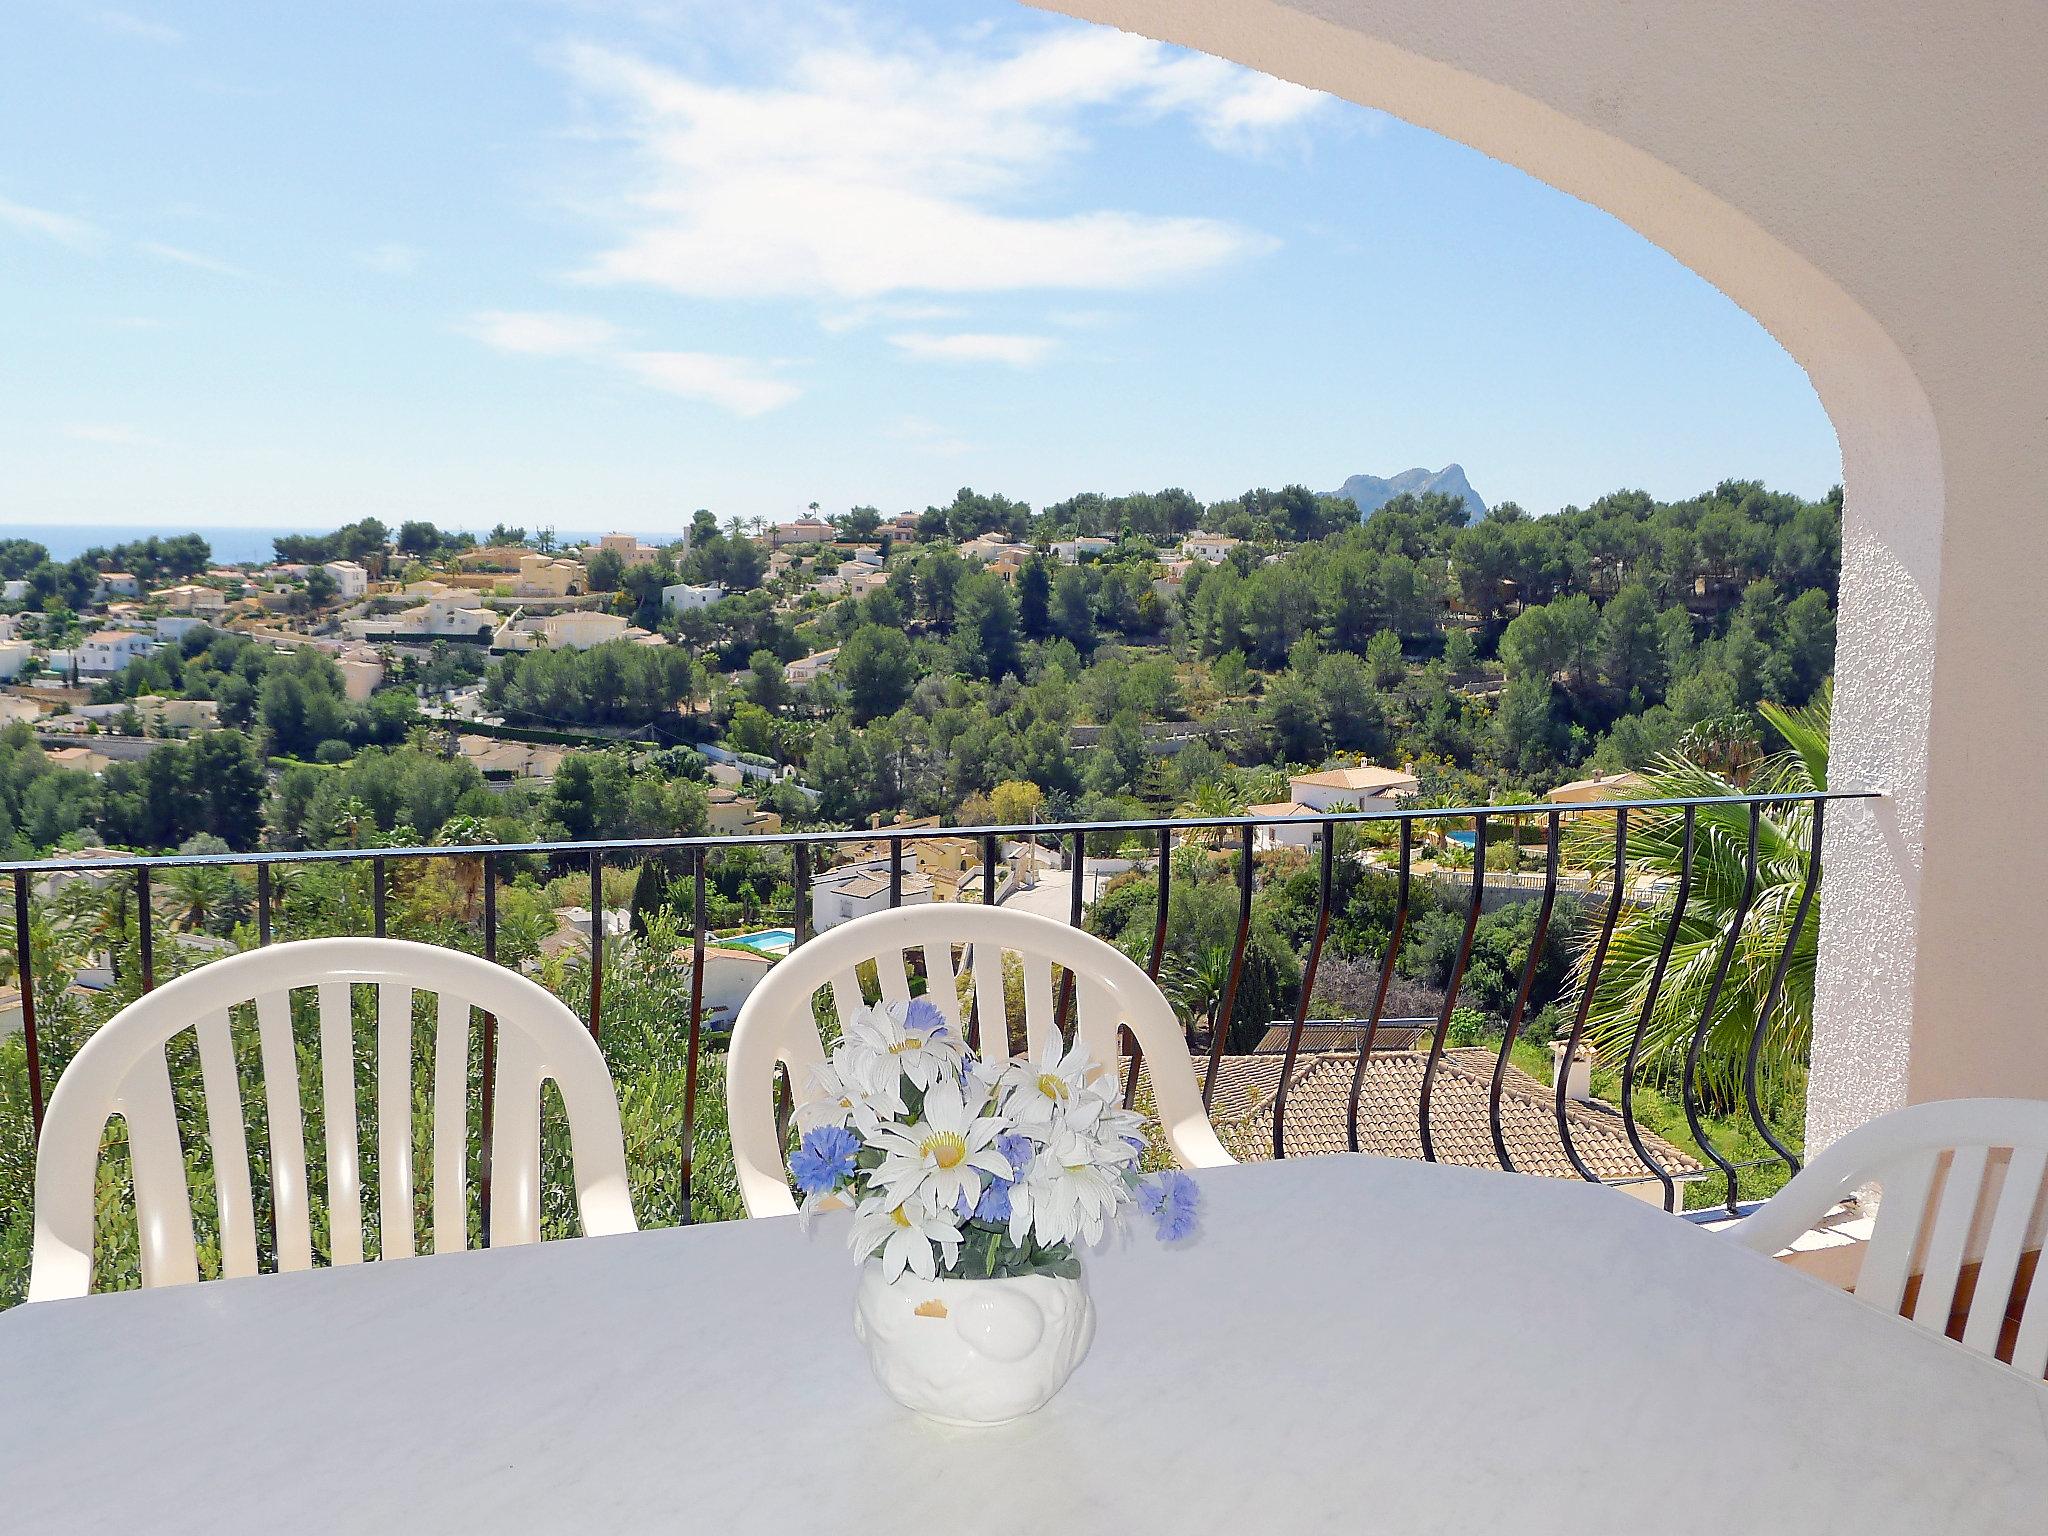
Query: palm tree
<point>1211,797</point>
<point>1196,985</point>
<point>1720,843</point>
<point>197,892</point>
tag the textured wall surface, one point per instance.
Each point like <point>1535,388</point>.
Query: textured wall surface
<point>1866,181</point>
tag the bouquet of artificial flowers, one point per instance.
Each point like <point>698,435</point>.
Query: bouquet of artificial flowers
<point>972,1169</point>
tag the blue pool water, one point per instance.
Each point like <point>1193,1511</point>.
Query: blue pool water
<point>767,941</point>
<point>1464,839</point>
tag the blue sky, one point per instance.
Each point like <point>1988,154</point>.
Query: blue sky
<point>595,263</point>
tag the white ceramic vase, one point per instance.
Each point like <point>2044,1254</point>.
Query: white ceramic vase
<point>972,1351</point>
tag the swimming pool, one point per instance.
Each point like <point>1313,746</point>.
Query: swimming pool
<point>1464,839</point>
<point>766,941</point>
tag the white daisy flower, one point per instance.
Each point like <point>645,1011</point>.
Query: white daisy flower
<point>943,1156</point>
<point>905,1233</point>
<point>910,1040</point>
<point>1073,1185</point>
<point>838,1098</point>
<point>1036,1093</point>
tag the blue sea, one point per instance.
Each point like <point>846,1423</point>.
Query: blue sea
<point>231,546</point>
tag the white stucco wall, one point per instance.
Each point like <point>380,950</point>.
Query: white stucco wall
<point>1866,180</point>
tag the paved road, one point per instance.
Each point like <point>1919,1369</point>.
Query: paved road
<point>1054,892</point>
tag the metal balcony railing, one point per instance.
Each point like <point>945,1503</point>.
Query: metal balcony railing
<point>1616,881</point>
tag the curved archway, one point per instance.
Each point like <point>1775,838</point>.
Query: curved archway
<point>1667,122</point>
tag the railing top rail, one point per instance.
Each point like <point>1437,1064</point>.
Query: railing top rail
<point>1392,813</point>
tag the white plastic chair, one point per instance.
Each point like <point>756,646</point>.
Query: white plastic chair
<point>1903,1152</point>
<point>121,1071</point>
<point>776,1024</point>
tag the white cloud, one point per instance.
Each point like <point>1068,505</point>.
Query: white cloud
<point>61,227</point>
<point>111,434</point>
<point>539,333</point>
<point>975,347</point>
<point>927,436</point>
<point>127,24</point>
<point>861,172</point>
<point>742,385</point>
<point>391,258</point>
<point>738,384</point>
<point>861,315</point>
<point>194,259</point>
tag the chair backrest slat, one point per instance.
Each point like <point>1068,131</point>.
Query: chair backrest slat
<point>775,1026</point>
<point>2011,1220</point>
<point>122,1071</point>
<point>515,1147</point>
<point>451,1125</point>
<point>1955,1210</point>
<point>941,984</point>
<point>1930,1219</point>
<point>2030,1346</point>
<point>338,1097</point>
<point>891,976</point>
<point>290,1200</point>
<point>1041,1023</point>
<point>394,1121</point>
<point>163,1200</point>
<point>234,1204</point>
<point>994,1008</point>
<point>1888,1264</point>
<point>846,994</point>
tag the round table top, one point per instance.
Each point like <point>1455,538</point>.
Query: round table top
<point>1350,1344</point>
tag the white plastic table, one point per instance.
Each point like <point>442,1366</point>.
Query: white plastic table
<point>1352,1345</point>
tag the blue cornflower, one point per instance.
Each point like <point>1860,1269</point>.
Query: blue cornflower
<point>1171,1198</point>
<point>922,1014</point>
<point>994,1205</point>
<point>993,1208</point>
<point>824,1159</point>
<point>1016,1151</point>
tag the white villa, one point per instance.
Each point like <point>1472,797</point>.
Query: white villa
<point>1087,547</point>
<point>577,630</point>
<point>1313,795</point>
<point>110,650</point>
<point>808,669</point>
<point>1212,547</point>
<point>351,581</point>
<point>683,597</point>
<point>444,617</point>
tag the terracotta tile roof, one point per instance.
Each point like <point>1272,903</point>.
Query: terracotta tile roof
<point>1392,1035</point>
<point>1319,1098</point>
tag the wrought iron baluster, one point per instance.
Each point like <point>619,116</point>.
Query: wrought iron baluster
<point>696,1025</point>
<point>1226,1009</point>
<point>1777,987</point>
<point>145,929</point>
<point>487,1090</point>
<point>377,894</point>
<point>262,904</point>
<point>1077,869</point>
<point>800,920</point>
<point>1308,987</point>
<point>1443,1023</point>
<point>1689,1090</point>
<point>1379,996</point>
<point>1635,1044</point>
<point>596,942</point>
<point>895,871</point>
<point>1587,986</point>
<point>25,974</point>
<point>1513,1030</point>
